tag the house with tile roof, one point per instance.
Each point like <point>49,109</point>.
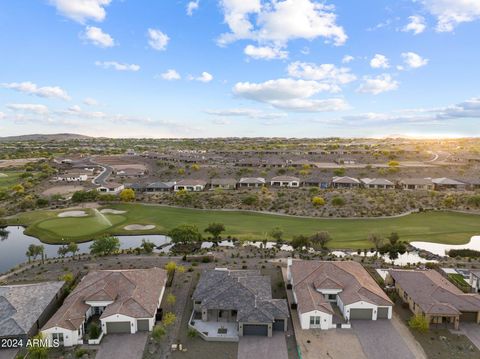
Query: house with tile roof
<point>430,294</point>
<point>345,182</point>
<point>377,183</point>
<point>120,301</point>
<point>285,181</point>
<point>190,185</point>
<point>26,307</point>
<point>329,294</point>
<point>233,303</point>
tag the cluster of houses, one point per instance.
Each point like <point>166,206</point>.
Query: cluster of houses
<point>228,304</point>
<point>196,185</point>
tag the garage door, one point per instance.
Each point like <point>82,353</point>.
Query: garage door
<point>382,313</point>
<point>252,329</point>
<point>118,327</point>
<point>468,317</point>
<point>361,314</point>
<point>143,325</point>
<point>279,325</point>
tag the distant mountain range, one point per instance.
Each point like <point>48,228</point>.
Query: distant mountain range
<point>44,137</point>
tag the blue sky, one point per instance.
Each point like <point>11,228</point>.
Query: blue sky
<point>207,68</point>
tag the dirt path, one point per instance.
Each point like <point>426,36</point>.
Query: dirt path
<point>408,338</point>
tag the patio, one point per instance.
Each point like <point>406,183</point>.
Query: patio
<point>212,331</point>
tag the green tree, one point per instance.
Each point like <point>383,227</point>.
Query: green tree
<point>215,229</point>
<point>73,248</point>
<point>38,351</point>
<point>276,233</point>
<point>320,239</point>
<point>170,267</point>
<point>419,322</point>
<point>105,245</point>
<point>62,251</point>
<point>68,277</point>
<point>127,195</point>
<point>148,246</point>
<point>158,332</point>
<point>376,240</point>
<point>185,234</point>
<point>338,201</point>
<point>169,318</point>
<point>35,251</point>
<point>300,241</point>
<point>339,172</point>
<point>393,238</point>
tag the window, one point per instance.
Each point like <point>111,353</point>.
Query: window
<point>314,320</point>
<point>58,336</point>
<point>332,297</point>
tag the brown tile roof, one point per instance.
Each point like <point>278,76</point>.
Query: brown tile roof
<point>435,294</point>
<point>356,284</point>
<point>135,293</point>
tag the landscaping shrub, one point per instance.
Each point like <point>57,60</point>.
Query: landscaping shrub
<point>94,331</point>
<point>158,332</point>
<point>419,323</point>
<point>467,253</point>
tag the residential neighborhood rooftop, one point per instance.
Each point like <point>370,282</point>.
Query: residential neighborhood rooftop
<point>434,293</point>
<point>22,305</point>
<point>133,293</point>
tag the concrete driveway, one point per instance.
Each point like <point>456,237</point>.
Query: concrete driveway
<point>379,339</point>
<point>116,346</point>
<point>472,331</point>
<point>255,347</point>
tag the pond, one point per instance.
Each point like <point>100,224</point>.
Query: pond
<point>14,246</point>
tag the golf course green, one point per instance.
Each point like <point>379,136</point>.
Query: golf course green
<point>439,227</point>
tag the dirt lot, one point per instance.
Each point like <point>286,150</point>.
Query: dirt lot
<point>62,190</point>
<point>441,343</point>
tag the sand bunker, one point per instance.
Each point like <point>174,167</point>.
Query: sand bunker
<point>139,227</point>
<point>3,175</point>
<point>73,214</point>
<point>111,211</point>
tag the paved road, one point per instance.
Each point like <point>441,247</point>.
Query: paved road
<point>102,177</point>
<point>472,331</point>
<point>379,340</point>
<point>117,346</point>
<point>256,347</point>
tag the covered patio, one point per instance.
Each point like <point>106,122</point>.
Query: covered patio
<point>212,330</point>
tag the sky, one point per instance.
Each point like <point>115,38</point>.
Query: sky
<point>250,68</point>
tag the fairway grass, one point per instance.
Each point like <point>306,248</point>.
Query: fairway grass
<point>439,227</point>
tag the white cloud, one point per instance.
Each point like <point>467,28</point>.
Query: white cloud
<point>192,6</point>
<point>117,66</point>
<point>379,62</point>
<point>204,77</point>
<point>290,94</point>
<point>413,60</point>
<point>450,13</point>
<point>32,89</point>
<point>96,36</point>
<point>157,39</point>
<point>278,22</point>
<point>29,108</point>
<point>246,112</point>
<point>82,10</point>
<point>347,59</point>
<point>378,84</point>
<point>171,75</point>
<point>265,52</point>
<point>326,73</point>
<point>2,115</point>
<point>416,25</point>
<point>90,101</point>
